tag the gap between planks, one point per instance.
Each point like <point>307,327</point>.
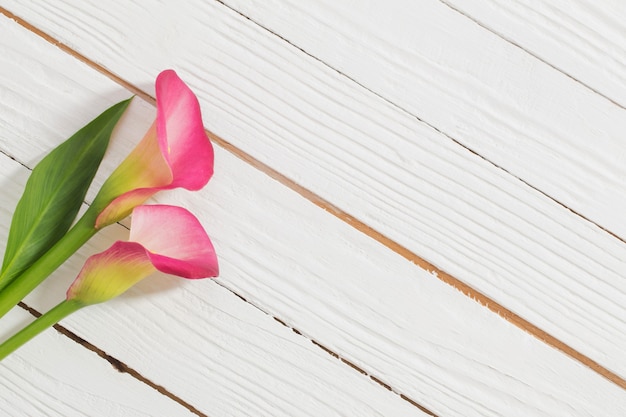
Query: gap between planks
<point>115,363</point>
<point>529,52</point>
<point>467,290</point>
<point>435,128</point>
<point>123,368</point>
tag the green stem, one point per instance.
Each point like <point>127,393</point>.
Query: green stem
<point>21,286</point>
<point>53,316</point>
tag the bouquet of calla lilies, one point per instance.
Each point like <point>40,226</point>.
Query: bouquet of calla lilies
<point>175,152</point>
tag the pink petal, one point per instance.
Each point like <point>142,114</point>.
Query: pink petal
<point>108,274</point>
<point>122,206</point>
<point>181,133</point>
<point>175,240</point>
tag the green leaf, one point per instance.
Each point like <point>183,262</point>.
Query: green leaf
<point>54,193</point>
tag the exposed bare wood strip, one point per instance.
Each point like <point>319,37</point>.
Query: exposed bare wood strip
<point>117,364</point>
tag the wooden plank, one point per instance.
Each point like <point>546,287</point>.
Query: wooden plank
<point>377,163</point>
<point>582,38</point>
<point>54,376</point>
<point>318,274</point>
<point>521,114</point>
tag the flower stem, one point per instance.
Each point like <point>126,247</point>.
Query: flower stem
<point>22,285</point>
<point>53,316</point>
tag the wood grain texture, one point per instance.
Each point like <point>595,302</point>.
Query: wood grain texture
<point>318,274</point>
<point>582,38</point>
<point>54,376</point>
<point>376,162</point>
<point>491,96</point>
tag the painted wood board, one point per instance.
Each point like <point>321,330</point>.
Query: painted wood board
<point>54,376</point>
<point>584,39</point>
<point>352,295</point>
<point>518,112</point>
<point>437,199</point>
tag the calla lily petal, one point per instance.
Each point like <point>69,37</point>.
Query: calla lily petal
<point>175,152</point>
<point>176,241</point>
<point>181,133</point>
<point>164,238</point>
<point>110,273</point>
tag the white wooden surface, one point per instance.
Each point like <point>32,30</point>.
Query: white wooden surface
<point>359,145</point>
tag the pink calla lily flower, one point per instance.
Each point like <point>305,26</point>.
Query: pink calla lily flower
<point>162,238</point>
<point>175,152</point>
